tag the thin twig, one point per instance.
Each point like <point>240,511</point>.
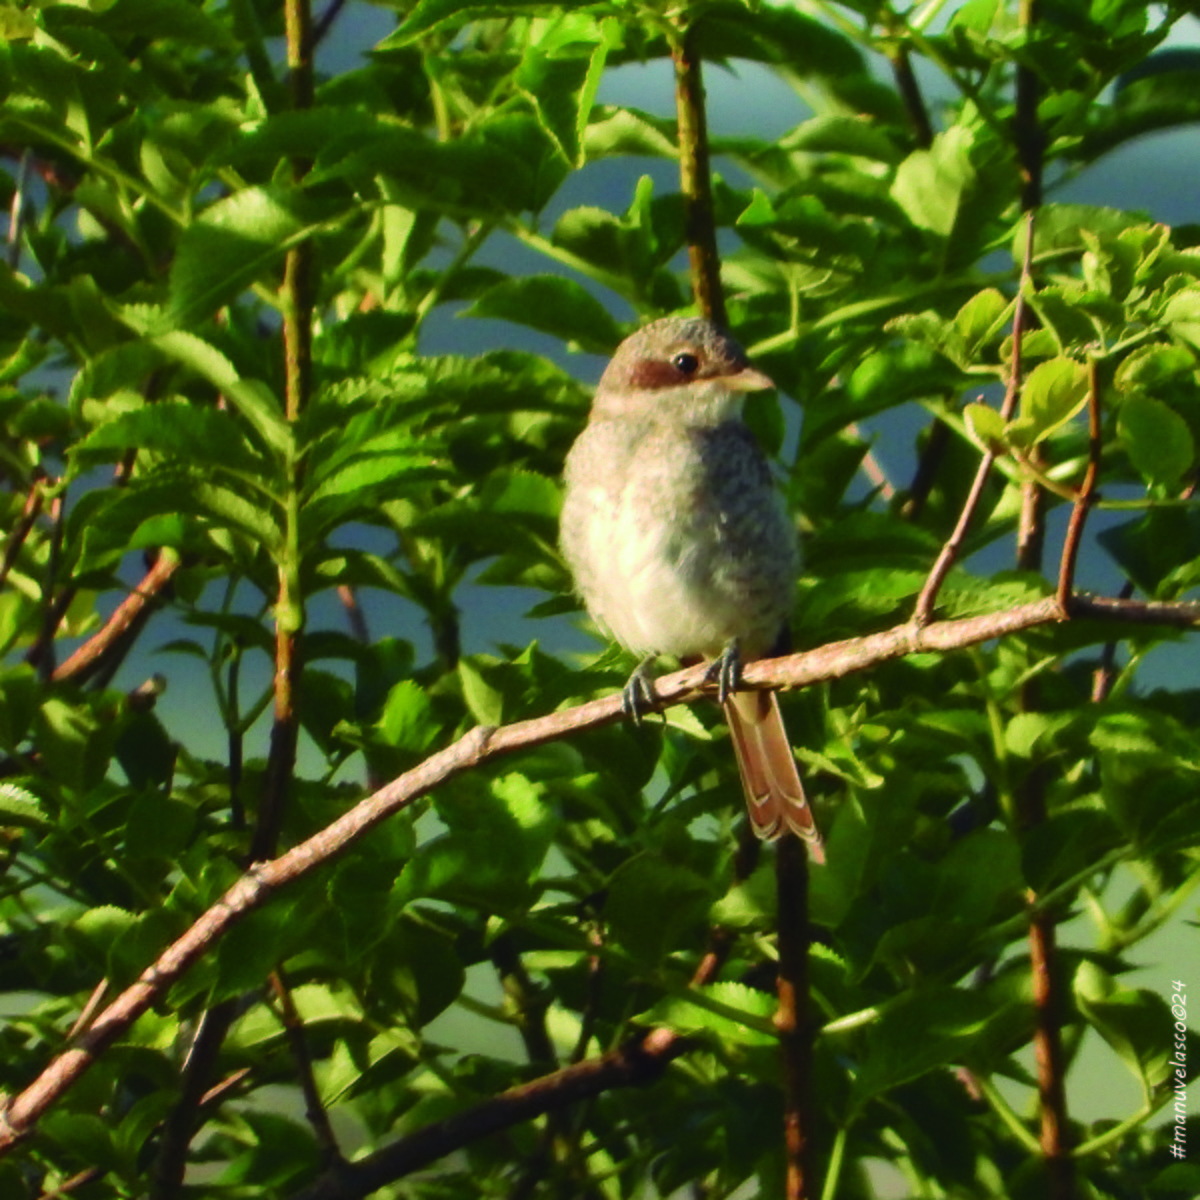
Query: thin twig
<point>928,465</point>
<point>1086,496</point>
<point>325,21</point>
<point>314,1110</point>
<point>20,531</point>
<point>910,94</point>
<point>89,1010</point>
<point>355,617</point>
<point>923,612</point>
<point>872,468</point>
<point>75,1181</point>
<point>237,736</point>
<point>1106,672</point>
<point>16,211</point>
<point>180,1124</point>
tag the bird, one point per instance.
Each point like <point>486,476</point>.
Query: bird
<point>680,544</point>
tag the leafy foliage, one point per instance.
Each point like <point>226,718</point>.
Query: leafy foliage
<point>160,413</point>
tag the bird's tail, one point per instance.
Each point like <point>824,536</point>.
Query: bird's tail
<point>774,793</point>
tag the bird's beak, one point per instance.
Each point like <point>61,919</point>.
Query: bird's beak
<point>748,380</point>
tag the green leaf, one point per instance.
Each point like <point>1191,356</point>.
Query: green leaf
<point>1157,439</point>
<point>429,15</point>
<point>555,305</point>
<point>87,1138</point>
<point>191,432</point>
<point>1131,1021</point>
<point>651,904</point>
<point>76,747</point>
<point>614,132</point>
<point>150,515</point>
<point>554,84</point>
<point>146,753</point>
<point>252,398</point>
<point>21,808</point>
<point>99,928</point>
<point>985,425</point>
<point>19,696</point>
<point>919,1032</point>
<point>982,319</point>
<point>156,20</point>
<point>1065,844</point>
<point>1152,366</point>
<point>408,721</point>
<point>1053,392</point>
<point>1061,228</point>
<point>485,702</point>
<point>714,1009</point>
<point>432,969</point>
<point>836,134</point>
<point>1182,315</point>
<point>159,827</point>
<point>931,185</point>
<point>236,242</point>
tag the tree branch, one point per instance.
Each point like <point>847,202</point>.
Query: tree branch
<point>128,616</point>
<point>792,1016</point>
<point>695,179</point>
<point>263,880</point>
<point>1086,495</point>
<point>638,1062</point>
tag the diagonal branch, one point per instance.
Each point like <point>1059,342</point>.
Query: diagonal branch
<point>126,619</point>
<point>263,880</point>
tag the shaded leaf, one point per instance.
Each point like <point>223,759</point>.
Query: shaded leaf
<point>555,305</point>
<point>1156,438</point>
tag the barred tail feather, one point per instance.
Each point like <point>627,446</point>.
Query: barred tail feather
<point>774,794</point>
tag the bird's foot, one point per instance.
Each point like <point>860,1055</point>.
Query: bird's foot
<point>637,697</point>
<point>726,671</point>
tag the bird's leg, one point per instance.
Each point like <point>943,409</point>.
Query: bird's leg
<point>726,670</point>
<point>637,697</point>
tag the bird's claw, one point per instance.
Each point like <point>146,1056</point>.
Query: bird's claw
<point>637,697</point>
<point>726,671</point>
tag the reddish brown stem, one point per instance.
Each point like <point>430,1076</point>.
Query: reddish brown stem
<point>637,1063</point>
<point>791,1017</point>
<point>1086,496</point>
<point>696,180</point>
<point>133,609</point>
<point>20,531</point>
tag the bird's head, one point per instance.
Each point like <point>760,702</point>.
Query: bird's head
<point>683,368</point>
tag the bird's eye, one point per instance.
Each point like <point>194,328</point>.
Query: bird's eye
<point>685,364</point>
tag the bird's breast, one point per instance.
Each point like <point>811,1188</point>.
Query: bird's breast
<point>678,542</point>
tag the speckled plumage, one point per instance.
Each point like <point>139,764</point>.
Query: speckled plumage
<point>677,537</point>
